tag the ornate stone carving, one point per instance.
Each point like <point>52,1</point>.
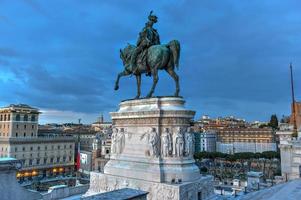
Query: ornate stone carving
<point>166,143</point>
<point>114,141</point>
<point>154,142</point>
<point>152,121</point>
<point>179,142</point>
<point>145,130</point>
<point>189,143</point>
<point>120,141</point>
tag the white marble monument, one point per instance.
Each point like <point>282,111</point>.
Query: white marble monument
<point>152,150</point>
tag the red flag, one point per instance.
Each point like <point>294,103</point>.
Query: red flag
<point>78,157</point>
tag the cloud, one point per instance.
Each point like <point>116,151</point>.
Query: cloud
<point>234,59</point>
<point>7,52</point>
<point>59,116</point>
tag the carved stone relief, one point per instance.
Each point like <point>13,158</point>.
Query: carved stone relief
<point>166,143</point>
<point>179,142</point>
<point>189,143</point>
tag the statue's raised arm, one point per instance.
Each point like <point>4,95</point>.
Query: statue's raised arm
<point>149,56</point>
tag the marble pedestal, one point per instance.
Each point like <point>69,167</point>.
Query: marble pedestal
<point>152,150</point>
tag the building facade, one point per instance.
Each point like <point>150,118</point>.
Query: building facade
<point>95,145</point>
<point>235,140</point>
<point>205,141</point>
<point>41,156</point>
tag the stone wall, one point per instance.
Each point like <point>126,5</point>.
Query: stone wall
<point>10,188</point>
<point>60,193</point>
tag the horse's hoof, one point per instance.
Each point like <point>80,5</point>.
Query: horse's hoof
<point>116,87</point>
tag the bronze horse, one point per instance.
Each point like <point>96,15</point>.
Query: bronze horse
<point>158,57</point>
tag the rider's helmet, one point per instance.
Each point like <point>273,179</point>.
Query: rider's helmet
<point>152,17</point>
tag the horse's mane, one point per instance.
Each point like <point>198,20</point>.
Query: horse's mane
<point>128,50</point>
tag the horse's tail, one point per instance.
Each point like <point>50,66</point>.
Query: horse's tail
<point>175,48</point>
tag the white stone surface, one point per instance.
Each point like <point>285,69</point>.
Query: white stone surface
<point>198,189</point>
<point>152,150</point>
<point>285,191</point>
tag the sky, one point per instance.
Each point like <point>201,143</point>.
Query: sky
<point>62,56</point>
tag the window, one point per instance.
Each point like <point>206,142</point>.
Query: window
<point>8,117</point>
<point>23,148</point>
<point>31,148</point>
<point>16,149</point>
<point>30,161</point>
<point>24,134</point>
<point>18,117</point>
<point>58,159</point>
<point>38,161</point>
<point>26,118</point>
<point>31,134</point>
<point>33,118</point>
<point>1,118</point>
<point>64,146</point>
<point>45,160</point>
<point>51,160</point>
<point>38,148</point>
<point>32,126</point>
<point>58,147</point>
<point>24,126</point>
<point>17,126</point>
<point>4,117</point>
<point>64,159</point>
<point>16,134</point>
<point>45,147</point>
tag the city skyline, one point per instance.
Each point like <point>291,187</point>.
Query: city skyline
<point>63,57</point>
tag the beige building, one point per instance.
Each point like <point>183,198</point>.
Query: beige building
<point>40,155</point>
<point>235,140</point>
<point>102,126</point>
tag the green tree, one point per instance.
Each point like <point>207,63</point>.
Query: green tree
<point>274,122</point>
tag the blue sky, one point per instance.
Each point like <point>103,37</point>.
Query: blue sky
<point>63,56</point>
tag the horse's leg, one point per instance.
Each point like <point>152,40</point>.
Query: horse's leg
<point>155,81</point>
<point>138,78</point>
<point>124,73</point>
<point>173,74</point>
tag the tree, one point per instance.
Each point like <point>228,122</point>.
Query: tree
<point>274,122</point>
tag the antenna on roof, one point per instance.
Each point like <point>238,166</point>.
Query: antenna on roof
<point>293,102</point>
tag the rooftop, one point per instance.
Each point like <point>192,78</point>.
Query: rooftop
<point>7,159</point>
<point>286,191</point>
<point>121,194</point>
<point>18,107</point>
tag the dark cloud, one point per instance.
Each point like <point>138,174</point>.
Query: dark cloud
<point>235,56</point>
<point>7,52</point>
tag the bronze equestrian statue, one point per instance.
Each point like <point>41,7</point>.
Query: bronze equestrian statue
<point>149,56</point>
